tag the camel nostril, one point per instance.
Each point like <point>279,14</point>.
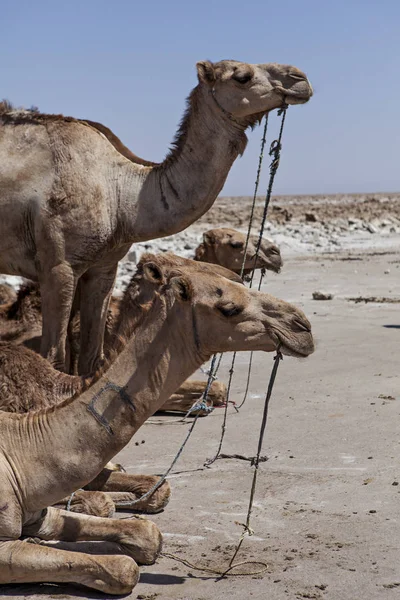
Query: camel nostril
<point>296,74</point>
<point>301,325</point>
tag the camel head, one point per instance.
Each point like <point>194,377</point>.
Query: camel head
<point>220,315</point>
<point>244,90</point>
<point>269,256</point>
<point>170,260</point>
<point>225,246</point>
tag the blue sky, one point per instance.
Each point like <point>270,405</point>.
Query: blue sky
<point>131,64</point>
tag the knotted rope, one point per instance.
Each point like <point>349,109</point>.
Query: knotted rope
<point>247,530</point>
<point>274,151</point>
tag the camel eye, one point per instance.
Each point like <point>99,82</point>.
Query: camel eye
<point>236,244</point>
<point>230,310</point>
<point>242,77</point>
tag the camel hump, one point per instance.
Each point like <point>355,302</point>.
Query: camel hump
<point>118,145</point>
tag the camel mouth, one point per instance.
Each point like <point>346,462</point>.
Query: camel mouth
<point>296,97</point>
<point>287,351</point>
<point>265,262</point>
<point>275,268</point>
<point>299,351</point>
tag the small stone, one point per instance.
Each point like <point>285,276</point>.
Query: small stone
<point>310,218</point>
<point>322,296</point>
<point>372,511</point>
<point>387,271</point>
<point>395,483</point>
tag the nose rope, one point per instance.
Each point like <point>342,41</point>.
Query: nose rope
<point>274,151</point>
<point>223,110</point>
<point>255,462</point>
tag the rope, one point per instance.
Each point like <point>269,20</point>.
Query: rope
<point>225,573</point>
<point>260,161</point>
<point>163,477</point>
<point>246,527</point>
<point>274,151</point>
<point>69,503</point>
<point>247,530</point>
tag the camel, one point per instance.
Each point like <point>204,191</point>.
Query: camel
<point>225,246</point>
<point>71,203</point>
<point>29,382</point>
<point>183,317</point>
<point>20,322</point>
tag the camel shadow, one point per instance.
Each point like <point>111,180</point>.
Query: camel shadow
<point>161,579</point>
<point>65,591</point>
<point>391,326</point>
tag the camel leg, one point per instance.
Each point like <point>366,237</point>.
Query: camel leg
<point>98,504</point>
<point>95,288</point>
<point>124,487</point>
<point>57,288</point>
<point>138,538</point>
<point>73,335</point>
<point>22,562</point>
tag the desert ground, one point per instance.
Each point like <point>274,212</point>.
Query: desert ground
<point>326,515</point>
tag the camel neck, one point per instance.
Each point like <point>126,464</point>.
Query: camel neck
<point>101,421</point>
<point>186,184</point>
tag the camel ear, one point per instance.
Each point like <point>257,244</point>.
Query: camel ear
<point>199,252</point>
<point>209,238</point>
<point>152,272</point>
<point>182,288</point>
<point>206,72</point>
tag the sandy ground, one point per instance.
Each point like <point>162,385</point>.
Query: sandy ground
<point>326,512</point>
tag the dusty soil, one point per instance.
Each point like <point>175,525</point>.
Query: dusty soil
<point>326,512</point>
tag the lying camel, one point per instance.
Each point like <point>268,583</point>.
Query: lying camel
<point>29,382</point>
<point>225,246</point>
<point>21,320</point>
<point>182,319</point>
<point>71,203</point>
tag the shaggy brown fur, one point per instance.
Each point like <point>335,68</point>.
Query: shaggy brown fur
<point>7,294</point>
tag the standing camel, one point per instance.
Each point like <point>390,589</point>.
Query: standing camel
<point>71,204</point>
<point>180,324</point>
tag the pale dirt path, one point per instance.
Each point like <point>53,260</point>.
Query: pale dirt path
<point>333,445</point>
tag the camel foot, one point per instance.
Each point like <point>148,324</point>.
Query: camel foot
<point>98,504</point>
<point>124,487</point>
<point>22,562</point>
